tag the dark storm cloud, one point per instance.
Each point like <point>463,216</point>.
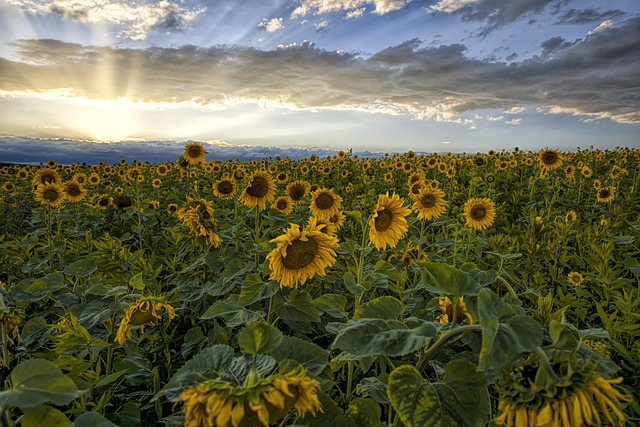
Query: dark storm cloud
<point>598,76</point>
<point>586,16</point>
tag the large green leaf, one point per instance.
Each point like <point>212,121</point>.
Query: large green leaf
<point>366,412</point>
<point>332,304</point>
<point>505,332</point>
<point>38,381</point>
<point>45,416</point>
<point>81,268</point>
<point>461,399</point>
<point>298,308</point>
<point>209,363</point>
<point>444,279</point>
<point>259,337</point>
<point>369,337</point>
<point>385,307</point>
<point>255,289</point>
<point>313,357</point>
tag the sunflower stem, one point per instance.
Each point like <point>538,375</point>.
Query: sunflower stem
<point>256,235</point>
<point>428,354</point>
<point>5,340</point>
<point>349,381</point>
<point>546,364</point>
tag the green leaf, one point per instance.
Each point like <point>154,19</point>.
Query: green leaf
<point>128,416</point>
<point>385,307</point>
<point>366,412</point>
<point>505,257</point>
<point>81,268</point>
<point>387,269</point>
<point>209,363</point>
<point>37,381</point>
<point>504,334</point>
<point>219,308</point>
<point>332,304</point>
<point>45,416</point>
<point>255,289</point>
<point>92,419</point>
<point>259,337</point>
<point>108,379</point>
<point>369,337</point>
<point>374,388</point>
<point>460,400</point>
<point>298,308</point>
<point>313,357</point>
<point>136,282</point>
<point>562,337</point>
<point>443,279</point>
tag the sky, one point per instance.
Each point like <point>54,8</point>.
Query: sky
<point>82,80</point>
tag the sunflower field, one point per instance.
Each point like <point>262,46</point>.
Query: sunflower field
<point>500,288</point>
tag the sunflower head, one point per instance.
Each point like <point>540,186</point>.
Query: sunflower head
<point>324,202</point>
<point>388,223</point>
<point>447,308</point>
<point>259,191</point>
<point>140,312</point>
<point>194,153</point>
<point>74,192</point>
<point>606,194</point>
<point>575,278</point>
<point>550,159</point>
<point>297,190</point>
<point>46,176</point>
<point>50,194</point>
<point>284,204</point>
<point>479,213</point>
<point>123,201</point>
<point>224,188</point>
<point>430,203</point>
<point>570,216</point>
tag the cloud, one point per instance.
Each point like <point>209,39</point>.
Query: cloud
<point>133,19</point>
<point>495,13</point>
<point>595,76</point>
<point>353,8</point>
<point>271,25</point>
<point>321,25</point>
<point>586,16</point>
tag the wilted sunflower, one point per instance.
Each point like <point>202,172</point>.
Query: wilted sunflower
<point>198,217</point>
<point>324,202</point>
<point>301,254</point>
<point>260,190</point>
<point>123,201</point>
<point>297,190</point>
<point>606,194</point>
<point>73,191</point>
<point>388,223</point>
<point>140,312</point>
<point>550,159</point>
<point>49,194</point>
<point>430,203</point>
<point>283,204</point>
<point>479,213</point>
<point>194,153</point>
<point>224,188</point>
<point>575,278</point>
<point>446,305</point>
<point>258,402</point>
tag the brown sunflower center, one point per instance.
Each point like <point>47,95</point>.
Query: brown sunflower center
<point>549,158</point>
<point>300,253</point>
<point>297,192</point>
<point>103,202</point>
<point>258,187</point>
<point>604,193</point>
<point>50,195</point>
<point>415,189</point>
<point>478,212</point>
<point>428,201</point>
<point>384,219</point>
<point>47,178</point>
<point>225,187</point>
<point>282,204</point>
<point>73,190</point>
<point>324,201</point>
<point>141,316</point>
<point>195,152</point>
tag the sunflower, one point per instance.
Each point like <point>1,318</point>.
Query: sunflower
<point>325,225</point>
<point>606,194</point>
<point>461,313</point>
<point>156,183</point>
<point>140,312</point>
<point>575,278</point>
<point>479,213</point>
<point>46,176</point>
<point>259,191</point>
<point>301,254</point>
<point>297,190</point>
<point>283,204</point>
<point>337,220</point>
<point>550,159</point>
<point>570,216</point>
<point>388,224</point>
<point>73,191</point>
<point>101,201</point>
<point>324,202</point>
<point>163,169</point>
<point>586,172</point>
<point>198,217</point>
<point>123,201</point>
<point>50,194</point>
<point>257,402</point>
<point>224,188</point>
<point>194,153</point>
<point>413,254</point>
<point>430,203</point>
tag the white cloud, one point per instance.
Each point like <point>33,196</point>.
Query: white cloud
<point>271,25</point>
<point>322,25</point>
<point>450,6</point>
<point>353,7</point>
<point>603,25</point>
<point>355,13</point>
<point>134,19</point>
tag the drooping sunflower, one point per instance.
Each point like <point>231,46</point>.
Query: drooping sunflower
<point>324,202</point>
<point>550,159</point>
<point>430,203</point>
<point>461,313</point>
<point>260,190</point>
<point>388,223</point>
<point>301,254</point>
<point>50,194</point>
<point>224,188</point>
<point>123,201</point>
<point>297,190</point>
<point>606,194</point>
<point>283,204</point>
<point>194,153</point>
<point>479,213</point>
<point>140,312</point>
<point>198,217</point>
<point>257,402</point>
<point>73,191</point>
<point>575,278</point>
